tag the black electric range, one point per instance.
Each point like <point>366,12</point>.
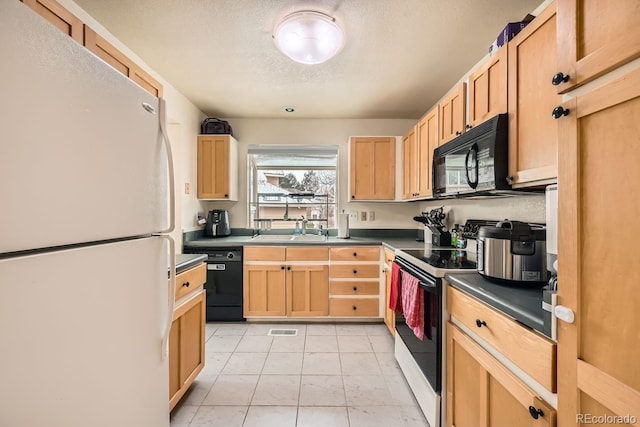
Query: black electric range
<point>439,261</point>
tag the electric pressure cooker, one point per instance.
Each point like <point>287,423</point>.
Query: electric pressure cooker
<point>513,252</point>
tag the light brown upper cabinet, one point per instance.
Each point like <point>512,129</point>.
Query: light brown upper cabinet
<point>533,133</point>
<point>372,168</point>
<point>118,60</point>
<point>453,109</point>
<point>594,37</point>
<point>410,164</point>
<point>53,12</point>
<point>419,144</point>
<point>488,88</point>
<point>598,183</point>
<point>427,141</point>
<point>217,167</point>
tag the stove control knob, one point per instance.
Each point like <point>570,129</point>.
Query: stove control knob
<point>230,255</point>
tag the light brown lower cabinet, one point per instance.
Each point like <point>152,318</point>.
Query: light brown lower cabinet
<point>307,290</point>
<point>186,345</point>
<point>264,290</point>
<point>481,392</point>
<point>389,315</point>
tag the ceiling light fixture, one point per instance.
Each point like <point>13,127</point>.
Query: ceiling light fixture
<point>308,37</point>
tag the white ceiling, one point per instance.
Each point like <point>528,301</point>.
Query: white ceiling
<point>400,56</point>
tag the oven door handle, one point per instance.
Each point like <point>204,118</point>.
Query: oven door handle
<point>474,150</point>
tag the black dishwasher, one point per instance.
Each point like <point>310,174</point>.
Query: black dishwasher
<point>224,283</point>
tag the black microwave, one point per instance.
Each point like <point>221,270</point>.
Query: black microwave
<point>474,163</point>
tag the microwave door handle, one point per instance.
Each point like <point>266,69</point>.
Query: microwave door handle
<point>474,150</point>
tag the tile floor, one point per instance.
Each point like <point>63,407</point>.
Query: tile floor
<point>329,375</point>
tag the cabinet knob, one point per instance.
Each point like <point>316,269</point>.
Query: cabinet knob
<point>353,197</point>
<point>559,112</point>
<point>226,195</point>
<point>282,267</point>
<point>289,267</point>
<point>186,284</point>
<point>468,126</point>
<point>355,271</point>
<point>480,323</point>
<point>355,308</point>
<point>355,289</point>
<point>559,78</point>
<point>509,179</point>
<point>355,254</point>
<point>458,133</point>
<point>535,412</point>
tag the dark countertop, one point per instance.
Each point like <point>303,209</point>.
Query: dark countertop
<point>231,241</point>
<point>186,261</point>
<point>521,303</point>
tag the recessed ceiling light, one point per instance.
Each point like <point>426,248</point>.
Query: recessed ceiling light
<point>289,109</point>
<point>308,37</point>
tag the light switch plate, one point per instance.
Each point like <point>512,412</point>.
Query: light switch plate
<point>363,216</point>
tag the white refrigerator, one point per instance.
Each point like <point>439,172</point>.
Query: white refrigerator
<point>86,197</point>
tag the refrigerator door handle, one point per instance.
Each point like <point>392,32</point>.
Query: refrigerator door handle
<point>172,294</point>
<point>162,107</point>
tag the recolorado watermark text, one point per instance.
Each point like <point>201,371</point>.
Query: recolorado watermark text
<point>605,419</point>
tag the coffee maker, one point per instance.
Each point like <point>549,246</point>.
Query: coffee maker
<point>217,223</point>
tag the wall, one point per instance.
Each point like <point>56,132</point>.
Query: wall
<point>317,132</point>
<point>184,123</point>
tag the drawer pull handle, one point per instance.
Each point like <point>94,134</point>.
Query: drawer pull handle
<point>355,289</point>
<point>355,254</point>
<point>288,267</point>
<point>535,412</point>
<point>355,308</point>
<point>355,271</point>
<point>480,323</point>
<point>559,78</point>
<point>282,267</point>
<point>186,284</point>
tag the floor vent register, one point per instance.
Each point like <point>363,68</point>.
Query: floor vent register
<point>283,332</point>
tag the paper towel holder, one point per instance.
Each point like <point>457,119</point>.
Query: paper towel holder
<point>343,225</point>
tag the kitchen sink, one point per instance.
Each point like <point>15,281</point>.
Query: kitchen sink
<point>289,238</point>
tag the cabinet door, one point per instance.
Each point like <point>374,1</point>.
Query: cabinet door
<point>482,392</point>
<point>410,165</point>
<point>373,168</point>
<point>599,154</point>
<point>453,110</point>
<point>488,88</point>
<point>427,141</point>
<point>264,290</point>
<point>53,12</point>
<point>186,346</point>
<point>595,37</point>
<point>307,290</point>
<point>118,60</point>
<point>533,138</point>
<point>213,166</point>
<point>144,80</point>
<point>389,315</point>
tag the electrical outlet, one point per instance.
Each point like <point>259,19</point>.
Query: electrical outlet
<point>353,215</point>
<point>187,188</point>
<point>363,216</point>
<point>372,215</point>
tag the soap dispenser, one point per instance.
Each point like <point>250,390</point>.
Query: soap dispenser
<point>297,231</point>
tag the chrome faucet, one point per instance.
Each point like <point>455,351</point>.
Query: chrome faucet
<point>304,225</point>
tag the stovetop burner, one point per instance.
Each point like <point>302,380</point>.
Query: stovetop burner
<point>445,258</point>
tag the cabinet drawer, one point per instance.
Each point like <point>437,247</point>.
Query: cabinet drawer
<point>355,271</point>
<point>354,307</point>
<point>264,253</point>
<point>189,280</point>
<point>533,353</point>
<point>309,253</point>
<point>354,288</point>
<point>355,253</point>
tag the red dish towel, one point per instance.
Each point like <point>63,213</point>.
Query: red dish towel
<point>394,293</point>
<point>413,304</point>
